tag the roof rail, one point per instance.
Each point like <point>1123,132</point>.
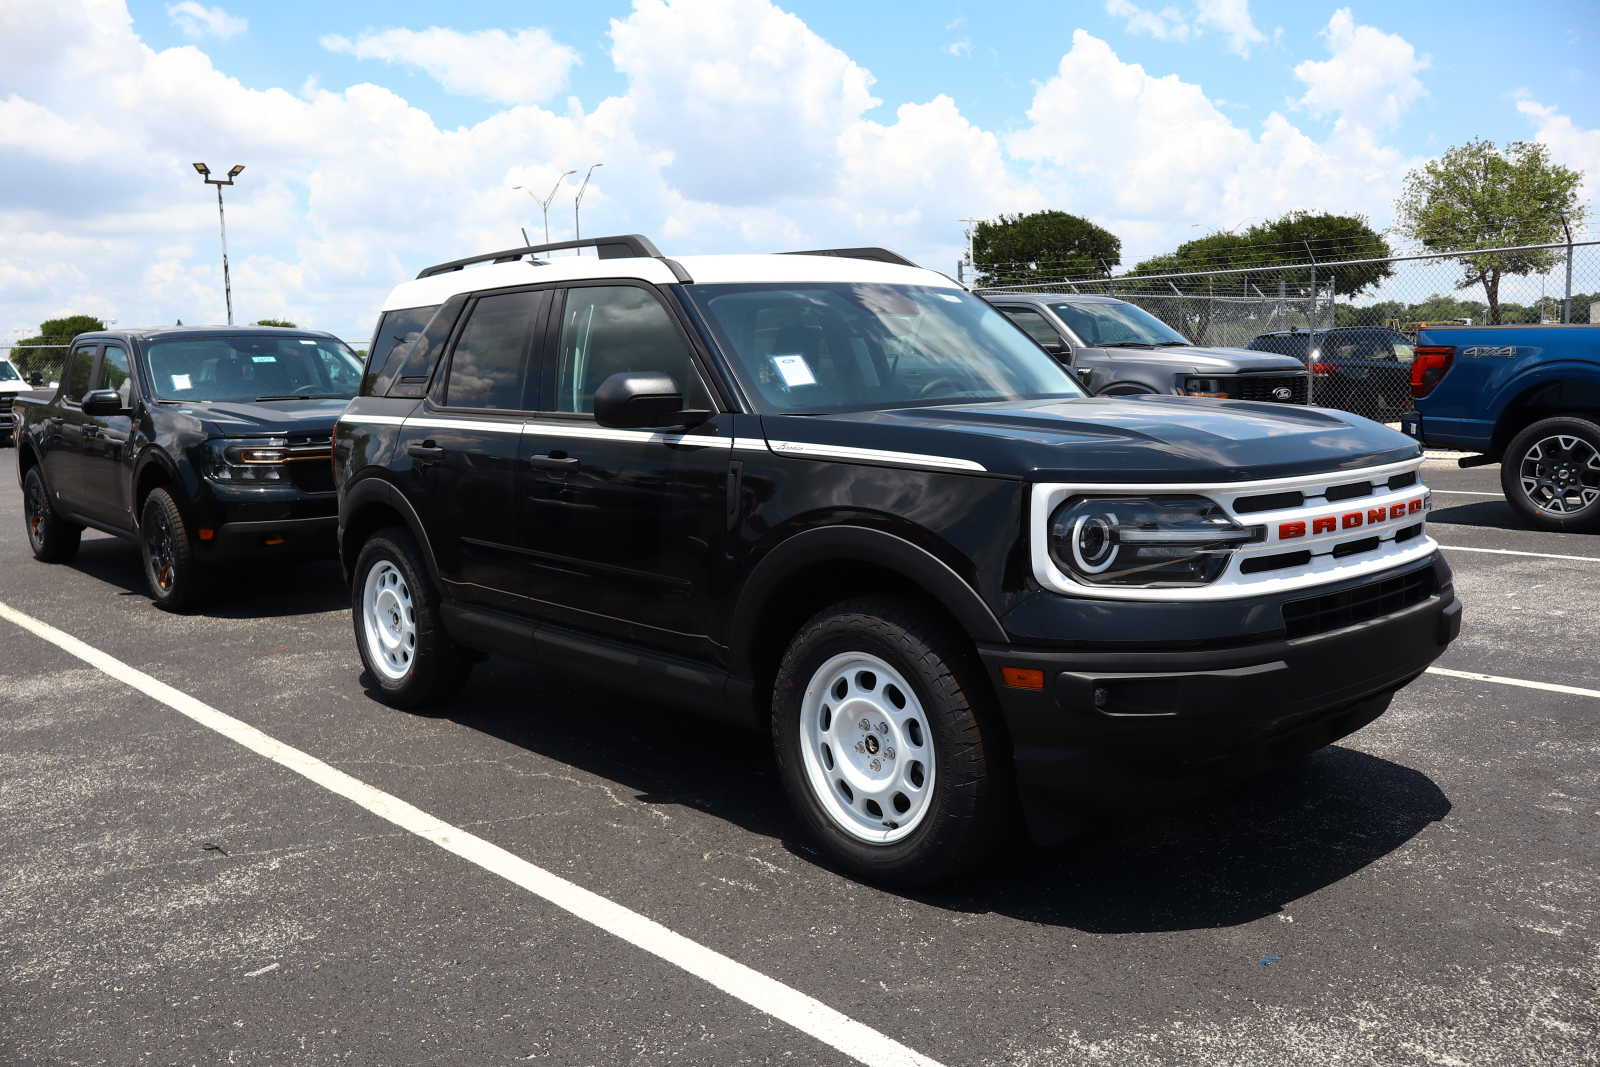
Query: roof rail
<point>881,255</point>
<point>626,246</point>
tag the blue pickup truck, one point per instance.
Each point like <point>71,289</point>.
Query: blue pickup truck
<point>1525,396</point>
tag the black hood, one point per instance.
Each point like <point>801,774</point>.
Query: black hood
<point>1117,439</point>
<point>254,418</point>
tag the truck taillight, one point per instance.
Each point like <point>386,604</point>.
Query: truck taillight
<point>1321,370</point>
<point>1428,366</point>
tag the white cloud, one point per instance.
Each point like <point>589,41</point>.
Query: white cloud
<point>525,66</point>
<point>197,20</point>
<point>962,47</point>
<point>1370,76</point>
<point>1168,24</point>
<point>1155,155</point>
<point>1231,18</point>
<point>1569,144</point>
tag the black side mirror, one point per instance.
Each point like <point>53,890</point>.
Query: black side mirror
<point>636,400</point>
<point>36,380</point>
<point>103,402</point>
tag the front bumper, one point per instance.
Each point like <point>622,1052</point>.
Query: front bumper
<point>267,521</point>
<point>1118,726</point>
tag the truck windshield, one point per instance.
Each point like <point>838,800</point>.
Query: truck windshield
<point>1110,324</point>
<point>817,347</point>
<point>8,373</point>
<point>252,367</point>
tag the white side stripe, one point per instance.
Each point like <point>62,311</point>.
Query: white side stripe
<point>806,1014</point>
<point>374,420</point>
<point>807,450</point>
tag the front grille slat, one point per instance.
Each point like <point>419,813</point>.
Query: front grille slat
<point>1333,611</point>
<point>1260,387</point>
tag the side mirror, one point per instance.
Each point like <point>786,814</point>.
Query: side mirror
<point>36,380</point>
<point>103,402</point>
<point>637,400</point>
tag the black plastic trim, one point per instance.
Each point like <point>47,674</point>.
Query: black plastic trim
<point>624,246</point>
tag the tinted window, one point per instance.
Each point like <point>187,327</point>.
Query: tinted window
<point>252,367</point>
<point>489,365</point>
<point>805,348</point>
<point>609,329</point>
<point>75,377</point>
<point>395,329</point>
<point>8,373</point>
<point>114,374</point>
<point>1034,325</point>
<point>1116,323</point>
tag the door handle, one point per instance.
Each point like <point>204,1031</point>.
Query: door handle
<point>554,461</point>
<point>424,451</point>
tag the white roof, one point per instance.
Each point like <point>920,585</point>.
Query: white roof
<point>425,292</point>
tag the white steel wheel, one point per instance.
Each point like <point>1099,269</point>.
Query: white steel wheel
<point>389,620</point>
<point>866,748</point>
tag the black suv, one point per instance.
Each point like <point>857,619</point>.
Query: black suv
<point>1365,370</point>
<point>201,444</point>
<point>842,500</point>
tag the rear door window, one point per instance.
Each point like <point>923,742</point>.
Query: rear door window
<point>490,363</point>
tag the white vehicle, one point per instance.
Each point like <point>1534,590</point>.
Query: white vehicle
<point>11,384</point>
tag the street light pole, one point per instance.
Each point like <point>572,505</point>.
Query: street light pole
<point>972,266</point>
<point>577,203</point>
<point>544,205</point>
<point>205,173</point>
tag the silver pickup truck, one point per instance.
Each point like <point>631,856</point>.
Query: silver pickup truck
<point>1119,349</point>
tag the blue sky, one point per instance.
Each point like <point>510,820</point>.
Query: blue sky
<point>380,137</point>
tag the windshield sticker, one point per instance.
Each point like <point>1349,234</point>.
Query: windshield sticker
<point>181,381</point>
<point>263,359</point>
<point>795,370</point>
<point>305,342</point>
<point>950,298</point>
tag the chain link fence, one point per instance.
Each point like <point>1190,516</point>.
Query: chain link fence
<point>1353,323</point>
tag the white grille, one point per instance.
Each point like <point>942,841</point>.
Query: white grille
<point>1279,526</point>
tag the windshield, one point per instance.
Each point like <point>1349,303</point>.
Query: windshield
<point>252,367</point>
<point>816,347</point>
<point>1116,324</point>
<point>8,373</point>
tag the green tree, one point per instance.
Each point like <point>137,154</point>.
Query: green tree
<point>52,332</point>
<point>1293,241</point>
<point>276,322</point>
<point>1476,196</point>
<point>1046,244</point>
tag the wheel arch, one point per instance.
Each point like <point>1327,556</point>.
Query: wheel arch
<point>1548,398</point>
<point>369,505</point>
<point>817,567</point>
<point>154,470</point>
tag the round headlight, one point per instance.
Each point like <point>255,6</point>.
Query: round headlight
<point>1094,542</point>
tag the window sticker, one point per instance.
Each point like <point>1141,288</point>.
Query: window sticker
<point>181,381</point>
<point>304,341</point>
<point>263,359</point>
<point>794,369</point>
<point>950,298</point>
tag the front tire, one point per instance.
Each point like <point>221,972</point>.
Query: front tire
<point>886,743</point>
<point>177,579</point>
<point>1551,474</point>
<point>52,538</point>
<point>411,660</point>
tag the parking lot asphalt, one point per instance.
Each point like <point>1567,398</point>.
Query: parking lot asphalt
<point>1423,893</point>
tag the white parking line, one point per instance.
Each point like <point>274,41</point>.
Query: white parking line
<point>1521,683</point>
<point>806,1014</point>
<point>1463,492</point>
<point>1514,552</point>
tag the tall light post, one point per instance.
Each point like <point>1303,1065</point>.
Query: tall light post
<point>577,234</point>
<point>972,266</point>
<point>205,173</point>
<point>544,205</point>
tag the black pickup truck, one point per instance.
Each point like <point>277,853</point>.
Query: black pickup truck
<point>201,444</point>
<point>842,500</point>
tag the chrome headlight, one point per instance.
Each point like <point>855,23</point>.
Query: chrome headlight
<point>247,460</point>
<point>1145,540</point>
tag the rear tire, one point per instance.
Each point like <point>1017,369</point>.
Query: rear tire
<point>1550,473</point>
<point>399,632</point>
<point>920,792</point>
<point>52,538</point>
<point>178,581</point>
